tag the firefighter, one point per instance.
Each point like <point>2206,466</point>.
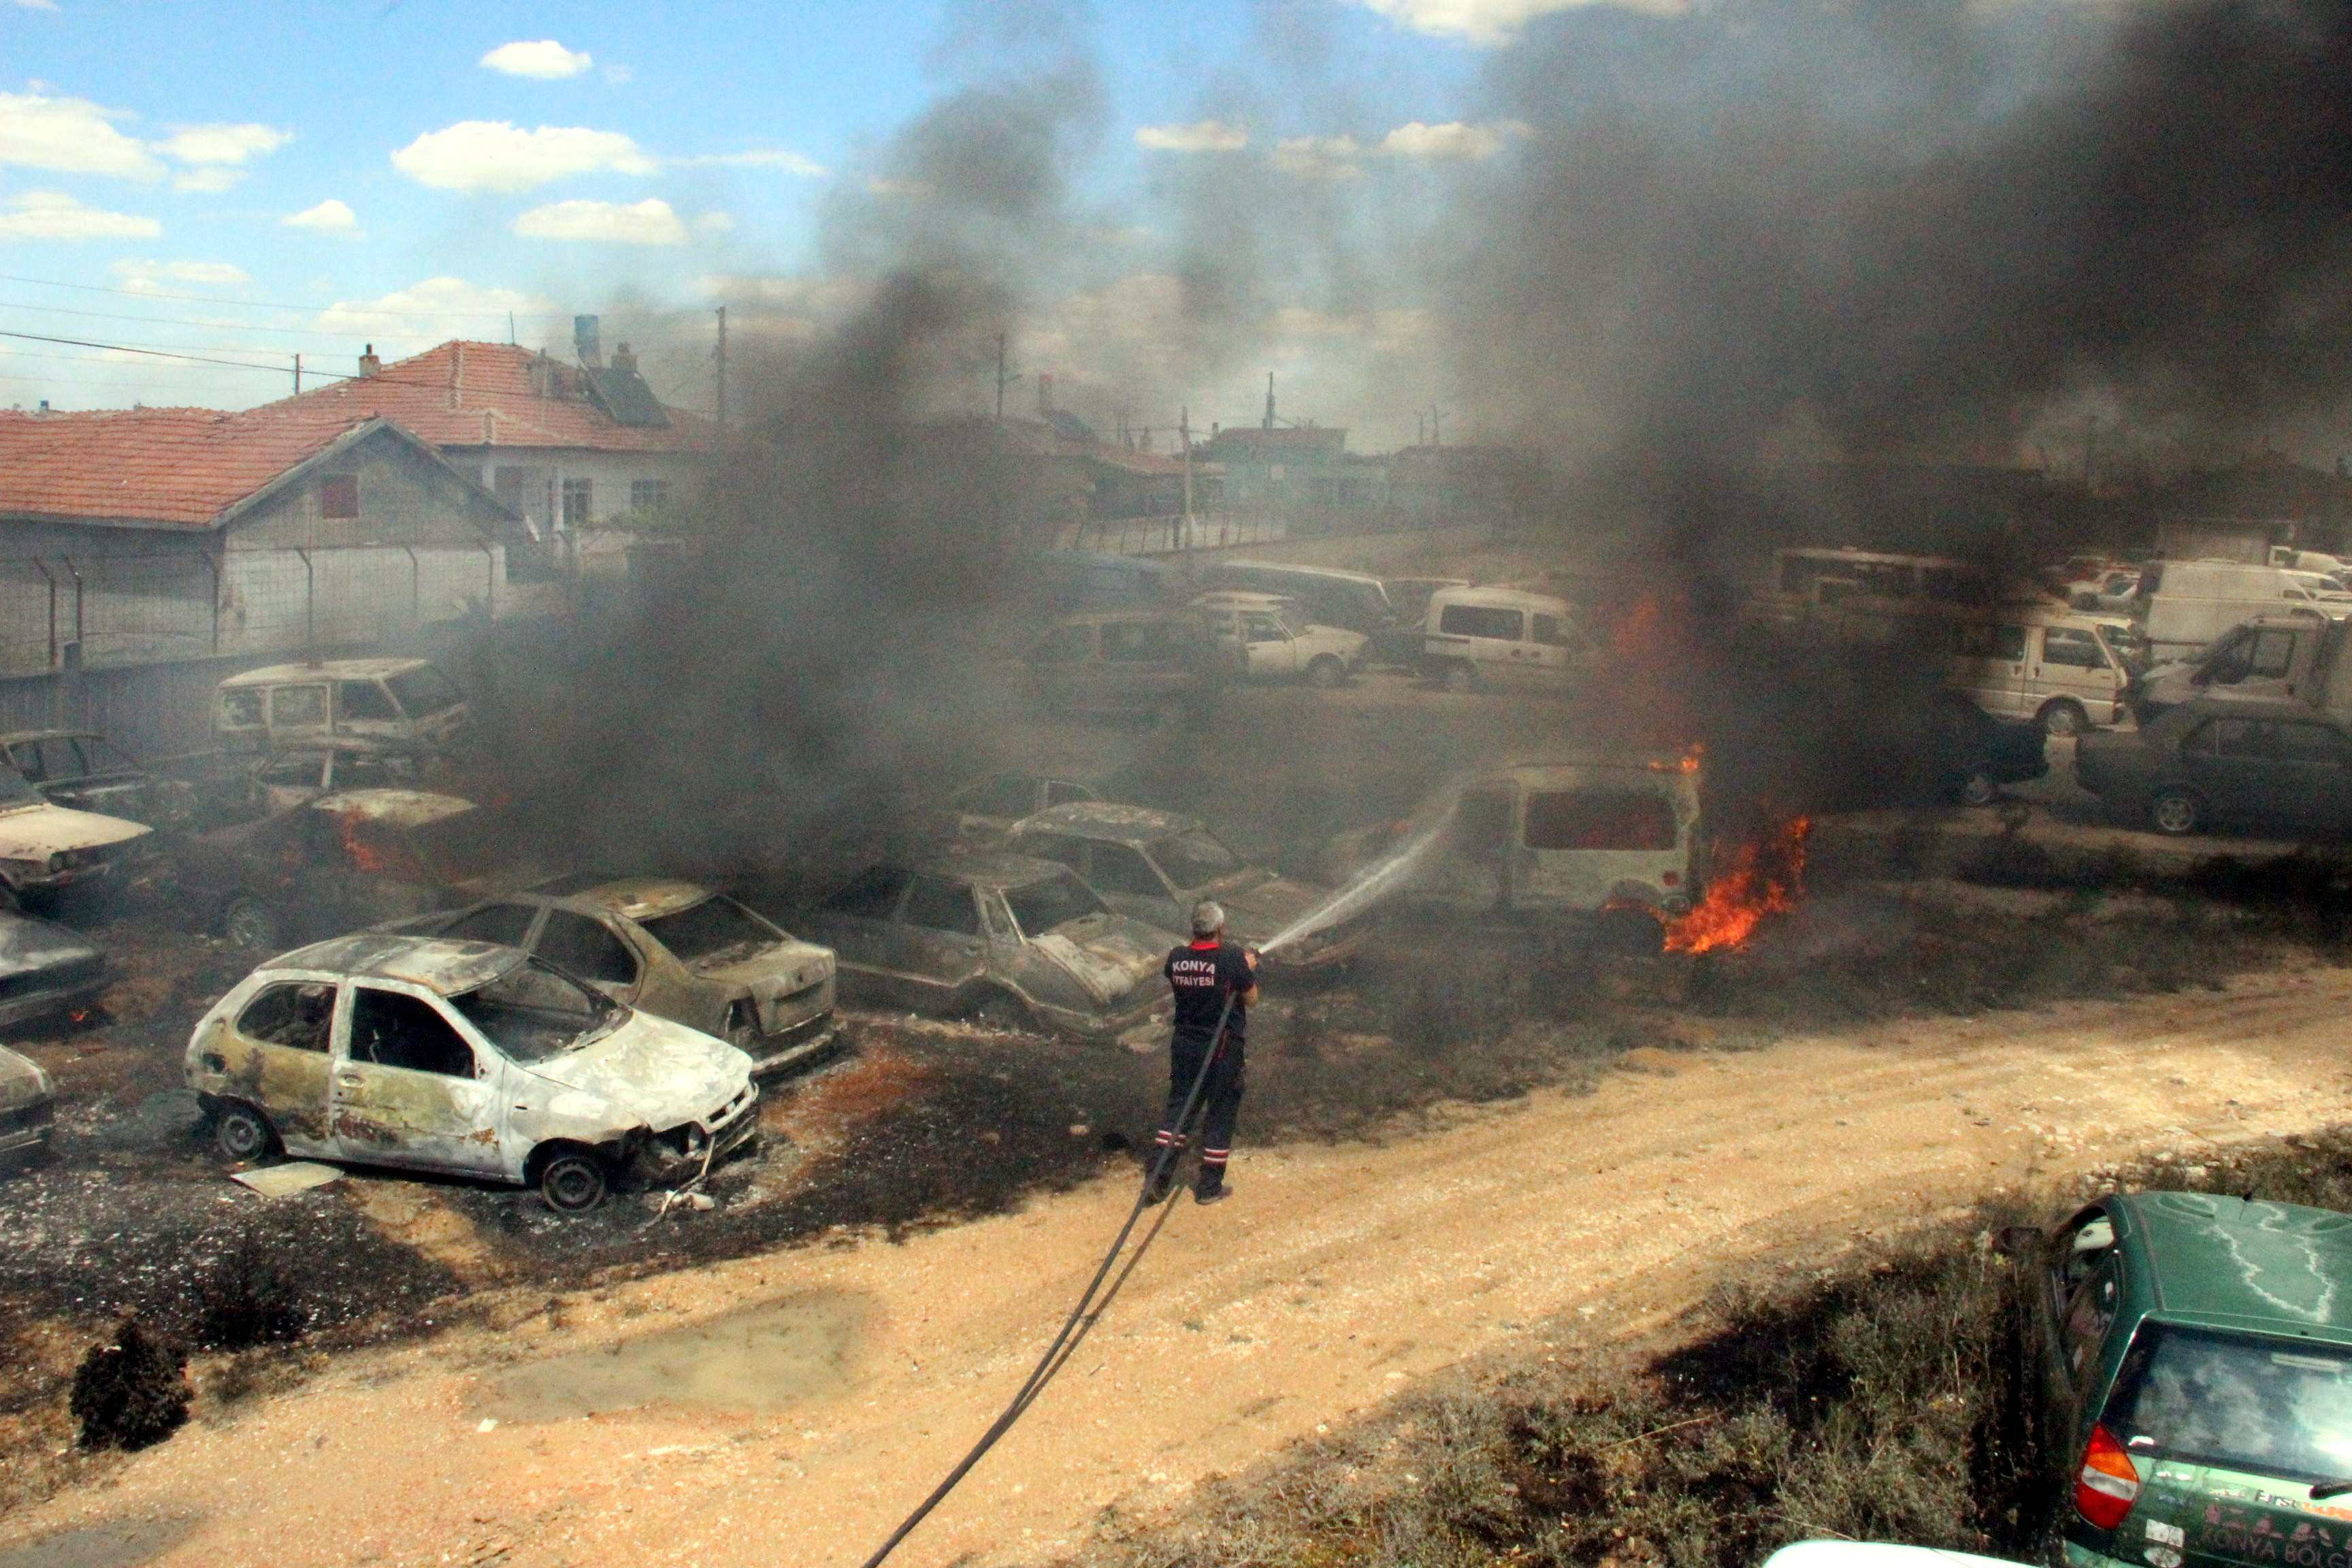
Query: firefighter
<point>1204,974</point>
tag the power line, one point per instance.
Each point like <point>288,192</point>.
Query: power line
<point>166,320</point>
<point>392,312</point>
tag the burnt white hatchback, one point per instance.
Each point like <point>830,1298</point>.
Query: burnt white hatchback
<point>464,1058</point>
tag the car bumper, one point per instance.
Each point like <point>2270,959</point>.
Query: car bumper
<point>665,1161</point>
<point>801,1042</point>
<point>27,1128</point>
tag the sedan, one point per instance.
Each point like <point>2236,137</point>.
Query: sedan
<point>2235,761</point>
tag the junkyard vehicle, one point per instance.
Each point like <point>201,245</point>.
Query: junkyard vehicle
<point>2186,605</point>
<point>1329,595</point>
<point>1115,663</point>
<point>406,700</point>
<point>46,968</point>
<point>299,774</point>
<point>2195,1355</point>
<point>1568,842</point>
<point>1478,638</point>
<point>45,849</point>
<point>1001,937</point>
<point>985,809</point>
<point>2240,762</point>
<point>2280,653</point>
<point>2110,592</point>
<point>358,858</point>
<point>1155,866</point>
<point>465,1058</point>
<point>1265,637</point>
<point>674,949</point>
<point>28,1108</point>
<point>2064,669</point>
<point>1963,753</point>
<point>1865,596</point>
<point>85,771</point>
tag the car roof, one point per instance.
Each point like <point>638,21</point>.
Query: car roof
<point>2236,1262</point>
<point>326,670</point>
<point>1501,598</point>
<point>437,963</point>
<point>1240,599</point>
<point>642,898</point>
<point>1330,573</point>
<point>1106,820</point>
<point>395,808</point>
<point>992,869</point>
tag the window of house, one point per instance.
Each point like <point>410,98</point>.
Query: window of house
<point>294,1016</point>
<point>394,1029</point>
<point>578,503</point>
<point>580,946</point>
<point>339,496</point>
<point>648,495</point>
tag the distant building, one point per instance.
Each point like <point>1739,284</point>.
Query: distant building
<point>1067,473</point>
<point>1284,466</point>
<point>2268,499</point>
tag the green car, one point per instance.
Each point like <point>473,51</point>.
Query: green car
<point>2196,1355</point>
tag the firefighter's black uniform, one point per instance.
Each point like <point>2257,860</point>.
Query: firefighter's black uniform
<point>1202,974</point>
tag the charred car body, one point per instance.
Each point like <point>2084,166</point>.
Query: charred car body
<point>2239,762</point>
<point>28,1108</point>
<point>1155,866</point>
<point>673,949</point>
<point>997,936</point>
<point>463,1058</point>
<point>46,968</point>
<point>85,771</point>
<point>45,849</point>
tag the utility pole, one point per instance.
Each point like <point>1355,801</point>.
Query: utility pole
<point>1437,418</point>
<point>720,355</point>
<point>1269,400</point>
<point>1002,377</point>
<point>298,376</point>
<point>1184,439</point>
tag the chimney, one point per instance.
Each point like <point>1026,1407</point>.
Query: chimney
<point>622,360</point>
<point>369,363</point>
<point>585,345</point>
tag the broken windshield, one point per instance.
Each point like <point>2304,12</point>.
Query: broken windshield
<point>716,927</point>
<point>1055,901</point>
<point>535,1013</point>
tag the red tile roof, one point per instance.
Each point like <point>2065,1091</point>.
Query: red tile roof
<point>482,395</point>
<point>171,467</point>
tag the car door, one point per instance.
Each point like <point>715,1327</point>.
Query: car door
<point>1552,646</point>
<point>2308,779</point>
<point>2073,662</point>
<point>1990,667</point>
<point>2226,761</point>
<point>1472,869</point>
<point>939,943</point>
<point>1266,645</point>
<point>411,1088</point>
<point>589,950</point>
<point>280,1056</point>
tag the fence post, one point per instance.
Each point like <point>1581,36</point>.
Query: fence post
<point>69,693</point>
<point>51,578</point>
<point>491,577</point>
<point>310,603</point>
<point>213,577</point>
<point>415,594</point>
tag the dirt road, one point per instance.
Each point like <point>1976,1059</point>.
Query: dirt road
<point>810,1396</point>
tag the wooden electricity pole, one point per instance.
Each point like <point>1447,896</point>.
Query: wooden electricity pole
<point>720,355</point>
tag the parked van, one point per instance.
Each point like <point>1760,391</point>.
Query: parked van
<point>1115,663</point>
<point>1479,637</point>
<point>2186,605</point>
<point>2063,668</point>
<point>404,700</point>
<point>1330,598</point>
<point>1865,596</point>
<point>2284,653</point>
<point>1269,636</point>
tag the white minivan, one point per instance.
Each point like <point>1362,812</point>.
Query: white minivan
<point>2186,605</point>
<point>1500,637</point>
<point>2063,668</point>
<point>401,701</point>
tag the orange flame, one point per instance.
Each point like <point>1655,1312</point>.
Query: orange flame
<point>366,856</point>
<point>1766,878</point>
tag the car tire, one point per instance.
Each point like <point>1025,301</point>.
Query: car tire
<point>242,1134</point>
<point>573,1182</point>
<point>250,924</point>
<point>2063,716</point>
<point>1461,677</point>
<point>1002,1010</point>
<point>1325,672</point>
<point>2176,813</point>
<point>1978,788</point>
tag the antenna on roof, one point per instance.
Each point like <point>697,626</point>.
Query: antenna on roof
<point>1269,400</point>
<point>511,328</point>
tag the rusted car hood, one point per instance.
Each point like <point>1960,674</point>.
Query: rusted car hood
<point>37,832</point>
<point>28,946</point>
<point>789,966</point>
<point>21,1082</point>
<point>654,1071</point>
<point>1110,956</point>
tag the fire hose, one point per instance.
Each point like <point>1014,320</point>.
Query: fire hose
<point>1089,1310</point>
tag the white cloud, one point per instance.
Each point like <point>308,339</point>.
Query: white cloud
<point>330,216</point>
<point>496,155</point>
<point>52,215</point>
<point>714,222</point>
<point>757,158</point>
<point>649,222</point>
<point>891,189</point>
<point>1492,22</point>
<point>144,276</point>
<point>70,135</point>
<point>206,182</point>
<point>1319,157</point>
<point>1201,136</point>
<point>36,5</point>
<point>434,311</point>
<point>1452,141</point>
<point>223,145</point>
<point>545,60</point>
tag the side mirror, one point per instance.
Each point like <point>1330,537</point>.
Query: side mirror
<point>2018,1241</point>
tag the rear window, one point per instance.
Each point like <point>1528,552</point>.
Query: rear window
<point>425,692</point>
<point>2273,1407</point>
<point>1598,819</point>
<point>1055,901</point>
<point>715,926</point>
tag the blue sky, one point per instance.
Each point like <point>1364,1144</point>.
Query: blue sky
<point>364,164</point>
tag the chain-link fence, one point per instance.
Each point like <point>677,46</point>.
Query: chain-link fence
<point>1167,535</point>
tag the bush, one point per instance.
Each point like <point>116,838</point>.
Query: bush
<point>132,1393</point>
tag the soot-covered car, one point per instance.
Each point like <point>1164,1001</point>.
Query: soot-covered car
<point>46,968</point>
<point>45,849</point>
<point>1001,937</point>
<point>28,1108</point>
<point>463,1058</point>
<point>674,949</point>
<point>2241,761</point>
<point>1155,866</point>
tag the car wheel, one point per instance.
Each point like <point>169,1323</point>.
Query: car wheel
<point>1978,788</point>
<point>2064,717</point>
<point>1002,1010</point>
<point>1461,677</point>
<point>244,1134</point>
<point>1326,672</point>
<point>251,924</point>
<point>2175,811</point>
<point>573,1182</point>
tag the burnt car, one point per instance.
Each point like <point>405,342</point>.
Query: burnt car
<point>2244,762</point>
<point>46,968</point>
<point>354,858</point>
<point>1155,866</point>
<point>28,1108</point>
<point>674,949</point>
<point>1971,756</point>
<point>463,1058</point>
<point>85,771</point>
<point>985,809</point>
<point>1003,938</point>
<point>45,849</point>
<point>299,774</point>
